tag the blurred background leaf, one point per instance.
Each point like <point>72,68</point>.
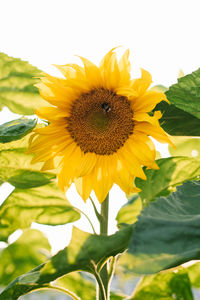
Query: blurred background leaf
<point>186,146</point>
<point>169,285</point>
<point>16,167</point>
<point>44,205</point>
<point>17,90</point>
<point>26,253</point>
<point>16,129</point>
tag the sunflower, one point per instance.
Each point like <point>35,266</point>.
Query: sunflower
<point>99,126</point>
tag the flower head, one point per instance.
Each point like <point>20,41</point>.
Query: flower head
<point>99,126</point>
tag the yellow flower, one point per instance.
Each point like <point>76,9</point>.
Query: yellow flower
<point>99,126</point>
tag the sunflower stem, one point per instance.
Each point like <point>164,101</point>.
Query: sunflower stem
<point>104,230</point>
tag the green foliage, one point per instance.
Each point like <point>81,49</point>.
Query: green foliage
<point>194,274</point>
<point>167,232</point>
<point>177,122</point>
<point>79,284</point>
<point>46,204</point>
<point>169,286</point>
<point>186,146</point>
<point>17,90</point>
<point>30,250</point>
<point>173,171</point>
<point>129,212</point>
<point>85,252</point>
<point>16,129</point>
<point>185,94</point>
<point>16,167</point>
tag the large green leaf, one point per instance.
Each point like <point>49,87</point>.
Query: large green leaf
<point>16,129</point>
<point>173,171</point>
<point>45,205</point>
<point>30,250</point>
<point>168,285</point>
<point>186,146</point>
<point>167,232</point>
<point>17,90</point>
<point>176,121</point>
<point>16,167</point>
<point>84,251</point>
<point>186,93</point>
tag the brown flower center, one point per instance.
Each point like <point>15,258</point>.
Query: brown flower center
<point>100,121</point>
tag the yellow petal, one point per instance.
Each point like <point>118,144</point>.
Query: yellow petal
<point>84,186</point>
<point>131,162</point>
<point>155,131</point>
<point>125,69</point>
<point>148,101</point>
<point>92,72</point>
<point>143,83</point>
<point>110,70</point>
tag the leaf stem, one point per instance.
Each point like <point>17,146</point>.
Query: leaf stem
<point>58,288</point>
<point>80,211</point>
<point>98,215</point>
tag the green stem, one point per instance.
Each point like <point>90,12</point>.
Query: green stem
<point>104,230</point>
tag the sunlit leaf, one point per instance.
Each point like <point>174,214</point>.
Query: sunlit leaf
<point>16,129</point>
<point>30,250</point>
<point>17,90</point>
<point>168,285</point>
<point>44,205</point>
<point>167,232</point>
<point>194,274</point>
<point>186,93</point>
<point>173,171</point>
<point>186,146</point>
<point>84,251</point>
<point>129,212</point>
<point>16,167</point>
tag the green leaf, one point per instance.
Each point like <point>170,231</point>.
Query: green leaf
<point>83,286</point>
<point>173,171</point>
<point>16,129</point>
<point>30,250</point>
<point>167,232</point>
<point>17,90</point>
<point>16,167</point>
<point>175,121</point>
<point>168,285</point>
<point>84,251</point>
<point>194,274</point>
<point>79,284</point>
<point>44,205</point>
<point>186,146</point>
<point>186,93</point>
<point>129,212</point>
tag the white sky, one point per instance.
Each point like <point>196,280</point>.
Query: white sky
<point>162,35</point>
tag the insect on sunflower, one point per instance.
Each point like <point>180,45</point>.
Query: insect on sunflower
<point>99,127</point>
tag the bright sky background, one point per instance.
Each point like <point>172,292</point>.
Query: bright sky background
<point>162,35</point>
